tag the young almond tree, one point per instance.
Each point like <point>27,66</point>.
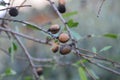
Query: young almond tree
<point>49,45</point>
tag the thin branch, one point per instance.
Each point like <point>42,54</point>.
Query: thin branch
<point>61,17</point>
<point>16,7</point>
<point>24,36</point>
<point>12,1</point>
<point>98,56</point>
<point>42,60</point>
<point>27,23</point>
<point>97,64</point>
<point>48,66</point>
<point>22,3</point>
<point>100,8</point>
<point>106,68</point>
<point>28,57</point>
<point>86,69</point>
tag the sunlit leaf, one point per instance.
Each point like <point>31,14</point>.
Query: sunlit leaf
<point>110,35</point>
<point>82,73</point>
<point>32,27</point>
<point>28,78</point>
<point>75,35</point>
<point>72,23</point>
<point>84,60</point>
<point>105,48</point>
<point>13,47</point>
<point>9,71</point>
<point>78,63</point>
<point>70,14</point>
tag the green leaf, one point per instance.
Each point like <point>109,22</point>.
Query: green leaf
<point>9,71</point>
<point>72,24</point>
<point>110,35</point>
<point>105,48</point>
<point>33,27</point>
<point>70,14</point>
<point>78,63</point>
<point>84,60</point>
<point>94,49</point>
<point>28,78</point>
<point>13,47</point>
<point>82,73</point>
<point>75,35</point>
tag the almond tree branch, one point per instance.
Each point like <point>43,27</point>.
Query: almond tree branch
<point>97,64</point>
<point>28,56</point>
<point>24,36</point>
<point>61,18</point>
<point>27,23</point>
<point>86,69</point>
<point>98,56</point>
<point>22,3</point>
<point>104,67</point>
<point>100,8</point>
<point>16,7</point>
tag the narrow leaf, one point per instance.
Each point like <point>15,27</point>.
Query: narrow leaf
<point>82,73</point>
<point>70,14</point>
<point>9,71</point>
<point>14,46</point>
<point>110,35</point>
<point>28,78</point>
<point>72,24</point>
<point>12,49</point>
<point>105,48</point>
<point>32,27</point>
<point>78,63</point>
<point>75,35</point>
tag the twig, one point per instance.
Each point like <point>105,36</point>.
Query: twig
<point>22,3</point>
<point>15,6</point>
<point>89,73</point>
<point>104,67</point>
<point>42,60</point>
<point>48,66</point>
<point>97,64</point>
<point>100,8</point>
<point>12,1</point>
<point>24,36</point>
<point>27,23</point>
<point>61,18</point>
<point>98,56</point>
<point>28,57</point>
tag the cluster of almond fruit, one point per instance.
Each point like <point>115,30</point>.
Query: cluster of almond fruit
<point>63,38</point>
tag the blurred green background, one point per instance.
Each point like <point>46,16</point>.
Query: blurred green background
<point>89,24</point>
